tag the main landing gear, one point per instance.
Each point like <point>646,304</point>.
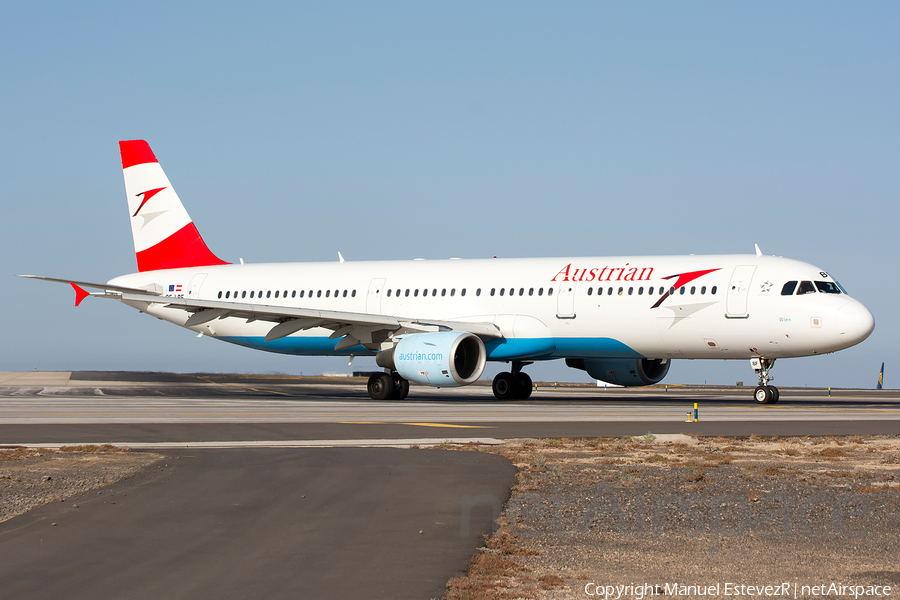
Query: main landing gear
<point>388,386</point>
<point>515,385</point>
<point>764,393</point>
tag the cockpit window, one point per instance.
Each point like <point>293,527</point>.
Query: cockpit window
<point>828,287</point>
<point>789,288</point>
<point>806,287</point>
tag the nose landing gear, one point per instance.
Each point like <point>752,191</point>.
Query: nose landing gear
<point>764,393</point>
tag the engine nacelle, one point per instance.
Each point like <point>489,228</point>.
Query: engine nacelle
<point>441,359</point>
<point>623,371</point>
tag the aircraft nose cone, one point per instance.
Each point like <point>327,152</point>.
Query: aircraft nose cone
<point>856,322</point>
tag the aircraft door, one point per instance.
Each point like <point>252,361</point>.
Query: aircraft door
<point>373,298</point>
<point>194,287</point>
<point>738,290</point>
<point>565,300</point>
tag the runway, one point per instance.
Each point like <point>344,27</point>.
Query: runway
<point>263,523</point>
<point>145,407</point>
<point>230,516</point>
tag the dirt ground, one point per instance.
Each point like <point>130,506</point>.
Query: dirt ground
<point>588,518</point>
<point>30,477</point>
<point>686,517</point>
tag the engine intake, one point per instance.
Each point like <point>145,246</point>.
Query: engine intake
<point>441,359</point>
<point>623,371</point>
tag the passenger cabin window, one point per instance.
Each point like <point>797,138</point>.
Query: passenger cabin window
<point>788,289</point>
<point>549,291</point>
<point>806,287</point>
<point>827,287</point>
<point>220,294</point>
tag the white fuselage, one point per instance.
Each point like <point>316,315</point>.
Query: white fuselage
<point>728,306</point>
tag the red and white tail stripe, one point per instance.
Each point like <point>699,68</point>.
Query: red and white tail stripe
<point>164,235</point>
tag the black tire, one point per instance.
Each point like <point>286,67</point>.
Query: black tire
<point>381,386</point>
<point>775,393</point>
<point>763,395</point>
<point>526,386</point>
<point>505,386</point>
<point>401,388</point>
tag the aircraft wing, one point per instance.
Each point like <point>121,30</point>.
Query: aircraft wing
<point>352,328</point>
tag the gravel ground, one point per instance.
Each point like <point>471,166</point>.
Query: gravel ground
<point>30,478</point>
<point>702,512</point>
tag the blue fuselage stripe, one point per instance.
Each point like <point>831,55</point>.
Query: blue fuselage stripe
<point>497,349</point>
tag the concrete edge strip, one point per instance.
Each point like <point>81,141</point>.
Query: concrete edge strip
<point>396,443</point>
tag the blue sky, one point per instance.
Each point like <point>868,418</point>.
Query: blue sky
<point>400,130</point>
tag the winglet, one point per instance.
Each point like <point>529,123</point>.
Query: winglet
<point>80,293</point>
<point>758,251</point>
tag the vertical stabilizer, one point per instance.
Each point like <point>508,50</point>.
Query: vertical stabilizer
<point>164,235</point>
<point>880,378</point>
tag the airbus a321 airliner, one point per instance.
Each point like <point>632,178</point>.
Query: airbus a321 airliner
<point>436,322</point>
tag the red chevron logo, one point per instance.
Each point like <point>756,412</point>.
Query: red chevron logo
<point>147,195</point>
<point>683,279</point>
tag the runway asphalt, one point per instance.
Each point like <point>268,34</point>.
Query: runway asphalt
<point>148,407</point>
<point>263,523</point>
<point>235,523</point>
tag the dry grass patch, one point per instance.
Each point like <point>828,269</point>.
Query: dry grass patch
<point>93,448</point>
<point>831,452</point>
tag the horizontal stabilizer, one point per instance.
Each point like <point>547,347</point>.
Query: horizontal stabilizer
<point>80,293</point>
<point>156,291</point>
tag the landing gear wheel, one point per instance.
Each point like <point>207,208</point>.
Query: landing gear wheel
<point>505,386</point>
<point>401,388</point>
<point>763,395</point>
<point>381,386</point>
<point>775,393</point>
<point>526,386</point>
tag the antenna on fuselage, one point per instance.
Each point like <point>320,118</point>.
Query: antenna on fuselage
<point>758,251</point>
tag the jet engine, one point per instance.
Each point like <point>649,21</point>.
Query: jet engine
<point>440,359</point>
<point>623,371</point>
